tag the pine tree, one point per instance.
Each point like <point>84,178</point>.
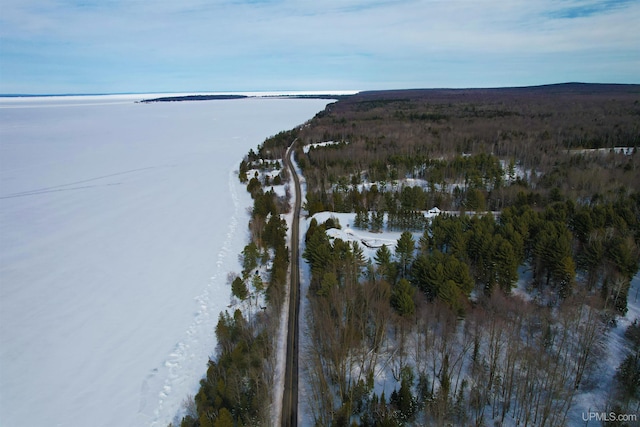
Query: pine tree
<point>403,399</point>
<point>428,274</point>
<point>564,274</point>
<point>448,292</point>
<point>224,419</point>
<point>404,252</point>
<point>250,256</point>
<point>242,171</point>
<point>239,289</point>
<point>402,298</point>
<point>206,420</point>
<point>361,220</point>
<point>254,187</point>
<point>377,221</point>
<point>475,200</point>
<point>329,281</point>
<point>386,268</point>
<point>505,264</point>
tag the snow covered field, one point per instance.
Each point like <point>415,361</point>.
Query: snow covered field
<point>118,225</point>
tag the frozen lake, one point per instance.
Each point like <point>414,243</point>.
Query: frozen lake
<point>118,225</point>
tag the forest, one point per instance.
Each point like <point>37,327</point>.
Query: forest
<point>547,139</point>
<point>538,185</point>
<point>496,311</point>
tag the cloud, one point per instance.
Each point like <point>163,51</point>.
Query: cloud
<point>192,43</point>
<point>579,9</point>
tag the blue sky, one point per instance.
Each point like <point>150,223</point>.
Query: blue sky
<point>114,46</point>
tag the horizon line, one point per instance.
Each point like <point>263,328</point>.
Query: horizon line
<point>265,93</point>
<point>255,93</point>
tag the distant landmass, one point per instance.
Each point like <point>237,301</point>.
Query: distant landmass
<point>222,97</point>
<point>193,98</point>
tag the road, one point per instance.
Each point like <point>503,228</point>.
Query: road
<point>290,398</point>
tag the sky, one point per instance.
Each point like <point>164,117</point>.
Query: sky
<point>124,46</point>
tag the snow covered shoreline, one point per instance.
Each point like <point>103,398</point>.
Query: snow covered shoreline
<point>119,223</point>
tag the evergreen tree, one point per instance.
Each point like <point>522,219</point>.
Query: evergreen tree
<point>458,244</point>
<point>313,204</point>
<point>592,256</point>
<point>505,264</point>
<point>357,261</point>
<point>206,419</point>
<point>443,276</point>
<point>386,268</point>
<point>404,252</point>
<point>403,399</point>
<point>242,171</point>
<point>448,292</point>
<point>361,220</point>
<point>475,200</point>
<point>377,221</point>
<point>553,257</point>
<point>329,281</point>
<point>254,186</point>
<point>564,274</point>
<point>224,419</point>
<point>402,298</point>
<point>239,289</point>
<point>250,255</point>
<point>428,274</point>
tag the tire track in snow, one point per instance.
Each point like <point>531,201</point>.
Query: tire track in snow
<point>187,360</point>
<point>35,193</point>
<point>60,187</point>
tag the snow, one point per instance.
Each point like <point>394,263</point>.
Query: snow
<point>283,330</point>
<point>518,172</point>
<point>317,145</point>
<point>279,190</point>
<point>627,151</point>
<point>119,223</point>
<point>394,185</point>
<point>369,241</point>
<point>127,98</point>
<point>525,278</point>
<point>595,391</point>
<point>615,350</point>
<point>304,396</point>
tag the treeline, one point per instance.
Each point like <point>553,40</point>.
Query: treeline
<point>600,240</point>
<point>267,159</point>
<point>273,147</point>
<point>374,221</point>
<point>428,134</point>
<point>472,183</point>
<point>237,389</point>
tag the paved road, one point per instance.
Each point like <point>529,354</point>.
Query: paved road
<point>290,398</point>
